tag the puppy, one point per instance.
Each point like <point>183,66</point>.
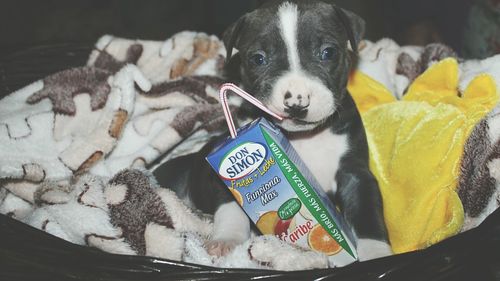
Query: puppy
<point>295,56</point>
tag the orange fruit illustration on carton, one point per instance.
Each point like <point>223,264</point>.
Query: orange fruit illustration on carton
<point>319,240</point>
<point>267,222</point>
<point>237,195</point>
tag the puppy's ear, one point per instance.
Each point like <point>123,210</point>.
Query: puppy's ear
<point>231,37</point>
<point>354,26</point>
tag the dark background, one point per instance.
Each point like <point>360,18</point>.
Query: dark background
<point>25,23</point>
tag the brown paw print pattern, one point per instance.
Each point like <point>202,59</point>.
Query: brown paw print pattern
<point>476,185</point>
<point>193,86</point>
<point>203,49</point>
<point>107,62</point>
<point>133,205</point>
<point>61,87</point>
<point>207,110</point>
<point>432,53</point>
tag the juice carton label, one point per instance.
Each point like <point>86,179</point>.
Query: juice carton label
<point>278,192</point>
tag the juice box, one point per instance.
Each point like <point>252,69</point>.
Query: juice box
<point>278,192</point>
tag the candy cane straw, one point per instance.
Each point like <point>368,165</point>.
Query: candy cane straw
<point>225,106</point>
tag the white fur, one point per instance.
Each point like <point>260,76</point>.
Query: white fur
<point>24,189</point>
<point>101,45</point>
<point>115,194</point>
<point>288,16</point>
<point>26,136</point>
<point>296,81</point>
<point>163,242</point>
<point>284,256</point>
<point>231,228</point>
<point>14,111</point>
<point>494,168</point>
<point>182,216</point>
<point>195,251</point>
<point>145,142</point>
<point>104,41</point>
<point>379,60</point>
<point>231,223</point>
<point>471,68</point>
<point>89,129</point>
<point>16,206</point>
<point>72,220</point>
<point>369,249</point>
<point>115,246</point>
<point>316,150</point>
<point>55,197</point>
<point>493,129</point>
<point>321,101</point>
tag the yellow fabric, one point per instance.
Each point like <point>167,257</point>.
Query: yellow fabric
<point>368,93</point>
<point>415,149</point>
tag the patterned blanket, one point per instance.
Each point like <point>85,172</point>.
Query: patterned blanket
<point>77,147</point>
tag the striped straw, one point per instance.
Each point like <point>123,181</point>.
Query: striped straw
<point>240,92</point>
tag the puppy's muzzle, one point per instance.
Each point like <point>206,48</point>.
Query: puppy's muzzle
<point>296,105</point>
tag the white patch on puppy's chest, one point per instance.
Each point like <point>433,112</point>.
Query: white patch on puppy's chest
<point>322,153</point>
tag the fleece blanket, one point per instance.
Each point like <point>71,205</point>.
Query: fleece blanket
<point>77,146</point>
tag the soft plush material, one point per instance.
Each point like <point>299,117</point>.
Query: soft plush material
<point>71,140</point>
<point>416,145</point>
<point>77,147</point>
<point>130,214</point>
<point>394,66</point>
<point>479,187</point>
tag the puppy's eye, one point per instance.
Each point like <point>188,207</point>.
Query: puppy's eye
<point>327,53</point>
<point>258,59</point>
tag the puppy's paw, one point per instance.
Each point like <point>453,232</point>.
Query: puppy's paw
<point>369,249</point>
<point>220,248</point>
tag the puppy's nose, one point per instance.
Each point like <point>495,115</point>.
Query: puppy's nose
<point>296,104</point>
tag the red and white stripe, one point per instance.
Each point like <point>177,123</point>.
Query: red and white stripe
<point>240,92</point>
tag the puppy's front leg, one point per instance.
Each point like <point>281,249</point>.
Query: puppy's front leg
<point>231,227</point>
<point>361,202</point>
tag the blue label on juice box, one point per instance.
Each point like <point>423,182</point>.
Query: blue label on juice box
<point>278,192</point>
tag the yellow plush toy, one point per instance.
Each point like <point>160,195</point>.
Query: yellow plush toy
<point>415,149</point>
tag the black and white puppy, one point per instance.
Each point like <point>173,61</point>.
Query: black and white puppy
<point>295,56</point>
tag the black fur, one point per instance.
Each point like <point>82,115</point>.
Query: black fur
<point>320,24</point>
<point>205,191</point>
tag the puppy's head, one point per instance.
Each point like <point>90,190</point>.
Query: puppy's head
<point>294,56</point>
